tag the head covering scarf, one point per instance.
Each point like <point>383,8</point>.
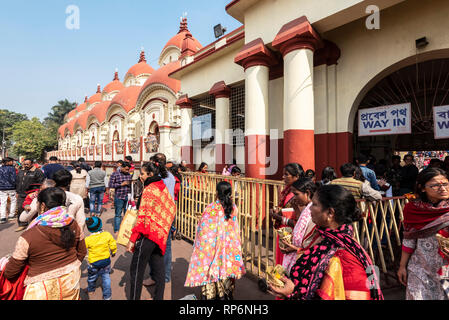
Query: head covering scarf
<point>55,218</point>
<point>308,272</point>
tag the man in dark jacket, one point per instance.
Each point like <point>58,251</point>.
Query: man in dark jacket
<point>51,167</point>
<point>27,176</point>
<point>7,189</point>
<point>409,174</point>
<point>84,165</point>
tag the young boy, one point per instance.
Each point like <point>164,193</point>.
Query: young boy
<point>100,245</point>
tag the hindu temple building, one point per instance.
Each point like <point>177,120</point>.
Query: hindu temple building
<point>313,82</point>
<point>136,117</point>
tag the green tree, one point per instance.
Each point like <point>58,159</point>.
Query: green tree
<point>59,111</point>
<point>31,138</point>
<point>54,120</point>
<point>7,120</point>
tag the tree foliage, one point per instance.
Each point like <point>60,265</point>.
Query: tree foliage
<point>7,120</point>
<point>31,138</point>
<point>59,111</point>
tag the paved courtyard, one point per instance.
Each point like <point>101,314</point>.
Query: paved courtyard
<point>246,288</point>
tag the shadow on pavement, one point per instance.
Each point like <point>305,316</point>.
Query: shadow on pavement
<point>122,263</point>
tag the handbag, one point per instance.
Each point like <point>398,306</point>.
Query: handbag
<point>128,222</point>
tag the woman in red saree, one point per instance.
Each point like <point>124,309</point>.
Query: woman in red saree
<point>148,240</point>
<point>292,172</point>
<point>424,262</point>
<point>336,268</point>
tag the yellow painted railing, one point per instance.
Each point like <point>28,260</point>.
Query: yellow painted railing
<point>378,231</point>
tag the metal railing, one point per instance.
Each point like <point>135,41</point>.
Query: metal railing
<point>378,231</point>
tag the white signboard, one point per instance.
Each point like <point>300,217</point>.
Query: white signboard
<point>441,122</point>
<point>394,119</point>
<point>202,127</point>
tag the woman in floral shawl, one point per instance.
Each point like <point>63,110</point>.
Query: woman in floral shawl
<point>424,262</point>
<point>217,255</point>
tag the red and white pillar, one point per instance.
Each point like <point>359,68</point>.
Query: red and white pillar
<point>185,104</point>
<point>256,59</point>
<point>297,41</point>
<point>333,148</point>
<point>223,137</point>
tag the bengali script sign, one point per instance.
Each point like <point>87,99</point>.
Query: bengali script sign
<point>394,119</point>
<point>441,122</point>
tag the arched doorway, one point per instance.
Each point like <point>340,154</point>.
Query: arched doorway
<point>423,85</point>
<point>115,136</point>
<point>153,138</point>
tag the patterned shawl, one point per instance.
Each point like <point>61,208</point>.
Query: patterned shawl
<point>422,219</point>
<point>217,252</point>
<point>156,214</point>
<point>285,196</point>
<point>55,218</point>
<point>308,272</point>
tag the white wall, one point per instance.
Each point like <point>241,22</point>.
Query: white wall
<point>373,54</point>
<point>203,78</point>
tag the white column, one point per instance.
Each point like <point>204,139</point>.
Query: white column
<point>256,100</point>
<point>256,120</point>
<point>298,90</point>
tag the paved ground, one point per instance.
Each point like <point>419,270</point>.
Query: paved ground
<point>246,288</point>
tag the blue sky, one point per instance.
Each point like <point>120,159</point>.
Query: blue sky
<point>41,61</point>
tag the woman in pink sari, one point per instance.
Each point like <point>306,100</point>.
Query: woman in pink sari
<point>217,260</point>
<point>304,233</point>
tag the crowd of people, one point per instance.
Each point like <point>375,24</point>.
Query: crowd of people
<point>322,260</point>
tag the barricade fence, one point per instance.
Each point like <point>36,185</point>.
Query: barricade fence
<point>379,231</point>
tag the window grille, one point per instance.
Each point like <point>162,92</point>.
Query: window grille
<point>237,103</point>
<point>202,106</point>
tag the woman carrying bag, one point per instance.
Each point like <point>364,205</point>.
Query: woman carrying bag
<point>148,240</point>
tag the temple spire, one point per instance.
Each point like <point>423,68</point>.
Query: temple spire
<point>183,25</point>
<point>142,56</point>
